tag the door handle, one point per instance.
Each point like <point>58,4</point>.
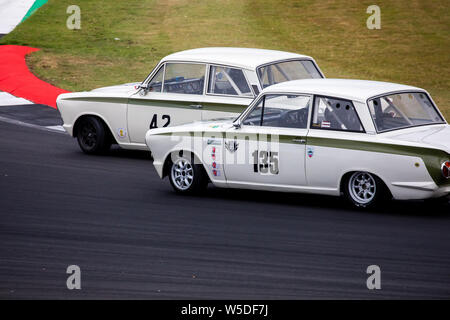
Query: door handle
<point>196,106</point>
<point>299,140</point>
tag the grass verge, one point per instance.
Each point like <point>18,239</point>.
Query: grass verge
<point>412,46</point>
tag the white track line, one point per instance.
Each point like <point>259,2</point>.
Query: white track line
<point>7,99</point>
<point>57,129</point>
<point>12,13</point>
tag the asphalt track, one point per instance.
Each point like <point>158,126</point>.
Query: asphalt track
<point>133,237</point>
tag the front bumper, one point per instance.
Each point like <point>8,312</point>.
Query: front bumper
<point>418,190</point>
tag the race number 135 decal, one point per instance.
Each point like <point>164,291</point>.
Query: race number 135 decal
<point>154,122</point>
<point>265,162</point>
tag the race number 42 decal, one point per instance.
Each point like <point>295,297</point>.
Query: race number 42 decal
<point>154,122</point>
<point>265,162</point>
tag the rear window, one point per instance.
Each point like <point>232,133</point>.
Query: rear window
<point>403,110</point>
<point>286,71</point>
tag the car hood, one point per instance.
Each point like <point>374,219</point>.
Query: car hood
<point>436,136</point>
<point>122,88</point>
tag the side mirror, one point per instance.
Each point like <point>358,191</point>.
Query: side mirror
<point>143,89</point>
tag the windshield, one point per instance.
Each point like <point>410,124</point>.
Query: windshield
<point>403,110</point>
<point>286,71</point>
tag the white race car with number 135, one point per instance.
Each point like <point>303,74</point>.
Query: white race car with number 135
<point>367,140</point>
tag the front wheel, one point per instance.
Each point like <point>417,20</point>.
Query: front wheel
<point>92,136</point>
<point>186,176</point>
<point>364,189</point>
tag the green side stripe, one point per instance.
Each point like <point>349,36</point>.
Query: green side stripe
<point>166,104</point>
<point>100,99</point>
<point>161,103</point>
<point>207,106</point>
<point>433,158</point>
<point>249,137</point>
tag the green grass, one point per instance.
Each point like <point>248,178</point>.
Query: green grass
<point>412,46</point>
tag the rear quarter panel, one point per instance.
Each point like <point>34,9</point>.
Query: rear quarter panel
<point>336,153</point>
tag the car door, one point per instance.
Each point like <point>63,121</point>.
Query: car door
<point>268,150</point>
<point>174,96</point>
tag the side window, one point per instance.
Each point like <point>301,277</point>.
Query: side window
<point>282,111</point>
<point>187,78</point>
<point>156,84</point>
<point>230,81</point>
<point>335,114</point>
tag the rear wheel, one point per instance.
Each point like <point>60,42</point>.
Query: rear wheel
<point>185,176</point>
<point>92,136</point>
<point>364,189</point>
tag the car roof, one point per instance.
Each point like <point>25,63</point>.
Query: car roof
<point>246,58</point>
<point>357,90</point>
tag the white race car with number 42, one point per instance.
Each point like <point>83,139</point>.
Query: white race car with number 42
<point>366,140</point>
<point>186,86</point>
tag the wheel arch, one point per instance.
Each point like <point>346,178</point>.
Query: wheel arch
<point>345,176</point>
<point>168,160</point>
<point>94,115</point>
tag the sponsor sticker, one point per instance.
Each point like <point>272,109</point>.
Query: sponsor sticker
<point>310,152</point>
<point>122,133</point>
<point>325,124</point>
<point>216,173</point>
<point>214,142</point>
<point>231,145</point>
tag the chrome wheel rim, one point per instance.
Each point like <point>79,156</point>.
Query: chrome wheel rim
<point>362,187</point>
<point>182,174</point>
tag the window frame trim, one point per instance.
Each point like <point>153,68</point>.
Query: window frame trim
<point>163,66</point>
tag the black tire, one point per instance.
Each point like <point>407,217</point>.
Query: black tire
<point>92,136</point>
<point>185,176</point>
<point>364,190</point>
